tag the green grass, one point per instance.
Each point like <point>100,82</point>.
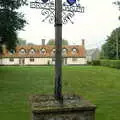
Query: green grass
<point>100,85</point>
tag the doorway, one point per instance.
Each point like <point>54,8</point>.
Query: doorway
<point>21,61</point>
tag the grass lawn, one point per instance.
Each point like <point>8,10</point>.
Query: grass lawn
<point>100,85</point>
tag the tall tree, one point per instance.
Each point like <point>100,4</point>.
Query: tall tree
<point>52,42</point>
<point>118,4</point>
<point>21,41</point>
<point>10,21</point>
<point>30,43</point>
<point>111,49</point>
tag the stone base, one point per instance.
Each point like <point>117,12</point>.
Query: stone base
<point>73,108</point>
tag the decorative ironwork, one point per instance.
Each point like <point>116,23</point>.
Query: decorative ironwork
<point>71,2</point>
<point>69,8</point>
<point>60,13</point>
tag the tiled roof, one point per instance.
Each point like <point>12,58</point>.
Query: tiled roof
<point>80,51</point>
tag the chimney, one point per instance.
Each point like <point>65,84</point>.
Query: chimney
<point>43,41</point>
<point>4,49</point>
<point>83,42</point>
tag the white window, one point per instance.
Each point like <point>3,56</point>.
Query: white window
<point>32,51</point>
<point>31,59</point>
<point>53,52</point>
<point>22,51</point>
<point>43,51</point>
<point>53,59</point>
<point>11,59</point>
<point>64,51</point>
<point>74,50</point>
<point>74,59</point>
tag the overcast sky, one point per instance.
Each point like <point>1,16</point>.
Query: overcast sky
<point>98,21</point>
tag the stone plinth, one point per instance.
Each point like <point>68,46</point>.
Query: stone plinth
<point>73,108</point>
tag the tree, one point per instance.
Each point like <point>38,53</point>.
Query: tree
<point>118,4</point>
<point>52,42</point>
<point>109,49</point>
<point>21,41</point>
<point>64,42</point>
<point>10,22</point>
<point>30,43</point>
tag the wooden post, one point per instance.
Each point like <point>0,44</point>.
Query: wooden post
<point>117,48</point>
<point>58,53</point>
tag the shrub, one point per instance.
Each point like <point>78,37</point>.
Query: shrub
<point>111,63</point>
<point>89,63</point>
<point>104,62</point>
<point>96,62</point>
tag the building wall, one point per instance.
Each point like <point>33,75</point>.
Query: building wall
<point>26,61</point>
<point>73,61</point>
<point>40,61</point>
<point>93,54</point>
<point>6,61</point>
<point>89,58</point>
<point>0,61</point>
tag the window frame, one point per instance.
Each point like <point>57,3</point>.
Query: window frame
<point>32,59</point>
<point>74,52</point>
<point>41,51</point>
<point>74,59</point>
<point>11,59</point>
<point>21,51</point>
<point>32,51</point>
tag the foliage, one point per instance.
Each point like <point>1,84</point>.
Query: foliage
<point>52,42</point>
<point>117,3</point>
<point>110,63</point>
<point>104,62</point>
<point>100,85</point>
<point>21,41</point>
<point>109,48</point>
<point>10,21</point>
<point>96,62</point>
<point>30,43</point>
<point>89,63</point>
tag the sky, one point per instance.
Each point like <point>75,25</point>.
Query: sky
<point>98,21</point>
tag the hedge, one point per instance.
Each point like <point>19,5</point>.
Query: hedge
<point>95,62</point>
<point>110,63</point>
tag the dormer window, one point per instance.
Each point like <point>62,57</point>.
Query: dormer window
<point>53,52</point>
<point>11,52</point>
<point>22,51</point>
<point>42,51</point>
<point>74,51</point>
<point>64,51</point>
<point>32,51</point>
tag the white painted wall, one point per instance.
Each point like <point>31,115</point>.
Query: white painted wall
<point>81,61</point>
<point>37,61</point>
<point>0,61</point>
<point>40,61</point>
<point>6,61</point>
